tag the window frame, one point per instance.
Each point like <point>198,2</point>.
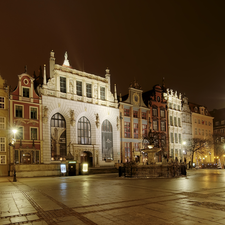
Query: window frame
<point>18,128</point>
<point>3,123</point>
<point>79,90</point>
<point>15,105</point>
<point>102,93</point>
<point>2,103</point>
<point>135,130</point>
<point>30,112</point>
<point>84,131</point>
<point>89,90</point>
<point>3,144</point>
<point>1,156</point>
<point>26,88</point>
<point>127,133</point>
<point>62,84</point>
<point>36,128</point>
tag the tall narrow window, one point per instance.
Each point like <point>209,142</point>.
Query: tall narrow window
<point>144,130</point>
<point>154,112</point>
<point>143,115</point>
<point>2,159</point>
<point>126,112</point>
<point>107,140</point>
<point>155,125</point>
<point>26,92</point>
<point>19,133</point>
<point>136,147</point>
<point>135,114</point>
<point>135,130</point>
<point>175,121</point>
<point>179,124</point>
<point>2,144</point>
<point>33,113</point>
<point>163,126</point>
<point>127,151</point>
<point>126,129</point>
<point>180,138</point>
<point>2,102</point>
<point>171,137</point>
<point>63,84</point>
<point>102,93</point>
<point>176,140</point>
<point>2,122</point>
<point>33,133</point>
<point>19,111</point>
<point>84,131</point>
<point>171,121</point>
<point>79,88</point>
<point>162,113</point>
<point>88,90</point>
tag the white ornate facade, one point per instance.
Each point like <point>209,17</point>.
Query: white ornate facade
<point>187,129</point>
<point>174,124</point>
<point>80,116</point>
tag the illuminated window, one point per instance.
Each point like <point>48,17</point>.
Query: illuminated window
<point>2,102</point>
<point>136,148</point>
<point>126,129</point>
<point>2,144</point>
<point>102,93</point>
<point>79,88</point>
<point>135,130</point>
<point>107,140</point>
<point>88,90</point>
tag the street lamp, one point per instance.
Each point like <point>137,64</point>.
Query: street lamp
<point>14,160</point>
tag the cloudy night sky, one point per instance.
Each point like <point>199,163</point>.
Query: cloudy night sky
<point>183,41</point>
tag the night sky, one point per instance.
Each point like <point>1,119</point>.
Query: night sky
<point>183,41</point>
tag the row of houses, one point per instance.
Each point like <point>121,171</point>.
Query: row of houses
<point>67,115</point>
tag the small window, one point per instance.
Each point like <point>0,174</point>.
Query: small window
<point>179,138</point>
<point>102,93</point>
<point>217,123</point>
<point>179,124</point>
<point>88,90</point>
<point>163,126</point>
<point>143,115</point>
<point>144,130</point>
<point>135,130</point>
<point>176,140</point>
<point>198,121</point>
<point>135,114</point>
<point>154,112</point>
<point>126,112</point>
<point>2,144</point>
<point>202,132</point>
<point>26,92</point>
<point>178,107</point>
<point>162,113</point>
<point>205,122</point>
<point>63,84</point>
<point>171,137</point>
<point>19,111</point>
<point>175,121</point>
<point>195,120</point>
<point>170,105</point>
<point>79,88</point>
<point>33,132</point>
<point>2,123</point>
<point>33,113</point>
<point>2,102</point>
<point>2,159</point>
<point>174,106</point>
<point>126,129</point>
<point>171,121</point>
<point>155,125</point>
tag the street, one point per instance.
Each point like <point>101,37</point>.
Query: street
<point>109,199</point>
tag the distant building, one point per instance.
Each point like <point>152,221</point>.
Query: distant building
<point>26,118</point>
<point>4,128</point>
<point>202,128</point>
<point>187,129</point>
<point>158,112</point>
<point>80,117</point>
<point>134,117</point>
<point>174,112</point>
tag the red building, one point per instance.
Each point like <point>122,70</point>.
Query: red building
<point>26,118</point>
<point>158,111</point>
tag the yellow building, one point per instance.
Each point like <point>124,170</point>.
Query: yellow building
<point>4,115</point>
<point>202,129</point>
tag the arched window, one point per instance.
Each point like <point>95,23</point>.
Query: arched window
<point>58,137</point>
<point>107,140</point>
<point>84,131</point>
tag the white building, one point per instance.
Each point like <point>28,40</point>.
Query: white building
<point>174,124</point>
<point>187,129</point>
<point>80,116</point>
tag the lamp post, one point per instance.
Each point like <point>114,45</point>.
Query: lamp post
<point>14,159</point>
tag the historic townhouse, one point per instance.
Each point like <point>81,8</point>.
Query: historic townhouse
<point>187,129</point>
<point>135,117</point>
<point>26,119</point>
<point>174,115</point>
<point>158,111</point>
<point>80,116</point>
<point>4,128</point>
<point>202,128</point>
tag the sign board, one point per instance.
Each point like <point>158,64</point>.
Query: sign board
<point>72,162</point>
<point>63,168</point>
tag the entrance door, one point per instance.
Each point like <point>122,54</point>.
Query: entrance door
<point>26,159</point>
<point>87,157</point>
<point>72,169</point>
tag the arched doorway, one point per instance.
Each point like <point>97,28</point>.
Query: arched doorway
<point>107,141</point>
<point>87,157</point>
<point>58,137</point>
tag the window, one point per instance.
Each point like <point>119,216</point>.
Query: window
<point>58,120</point>
<point>79,88</point>
<point>33,113</point>
<point>33,133</point>
<point>107,140</point>
<point>162,113</point>
<point>196,131</point>
<point>170,105</point>
<point>176,140</point>
<point>175,121</point>
<point>2,159</point>
<point>222,122</point>
<point>19,111</point>
<point>136,148</point>
<point>2,144</point>
<point>179,138</point>
<point>2,102</point>
<point>155,125</point>
<point>163,126</point>
<point>202,132</point>
<point>26,92</point>
<point>174,106</point>
<point>171,121</point>
<point>179,122</point>
<point>195,120</point>
<point>135,130</point>
<point>126,129</point>
<point>88,90</point>
<point>178,107</point>
<point>2,123</point>
<point>126,112</point>
<point>199,131</point>
<point>127,151</point>
<point>84,131</point>
<point>144,130</point>
<point>63,84</point>
<point>154,112</point>
<point>171,137</point>
<point>19,133</point>
<point>172,154</point>
<point>135,114</point>
<point>198,121</point>
<point>205,122</point>
<point>102,93</point>
<point>143,115</point>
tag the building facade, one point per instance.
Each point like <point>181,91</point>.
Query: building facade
<point>174,116</point>
<point>202,128</point>
<point>80,116</point>
<point>187,129</point>
<point>4,128</point>
<point>158,112</point>
<point>134,120</point>
<point>26,119</point>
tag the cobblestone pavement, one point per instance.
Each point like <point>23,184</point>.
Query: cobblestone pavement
<point>108,199</point>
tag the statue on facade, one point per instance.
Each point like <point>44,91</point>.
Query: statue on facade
<point>97,120</point>
<point>118,123</point>
<point>72,120</point>
<point>45,117</point>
